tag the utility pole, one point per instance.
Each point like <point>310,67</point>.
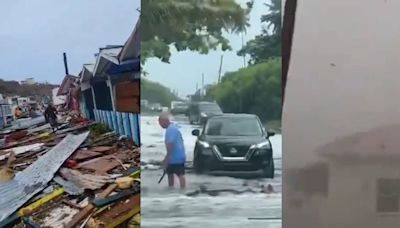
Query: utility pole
<point>202,85</point>
<point>220,69</point>
<point>244,56</point>
<point>65,63</point>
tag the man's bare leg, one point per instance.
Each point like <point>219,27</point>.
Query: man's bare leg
<point>182,181</point>
<point>171,180</point>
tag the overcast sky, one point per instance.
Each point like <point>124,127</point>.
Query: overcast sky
<point>34,34</point>
<point>186,68</point>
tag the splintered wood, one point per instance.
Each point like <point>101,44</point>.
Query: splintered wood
<point>100,165</point>
<point>120,212</point>
<point>85,154</point>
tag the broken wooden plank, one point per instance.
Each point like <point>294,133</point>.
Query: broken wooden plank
<point>103,149</point>
<point>100,165</point>
<point>85,154</point>
<point>121,212</point>
<point>84,181</point>
<point>85,212</point>
<point>21,150</point>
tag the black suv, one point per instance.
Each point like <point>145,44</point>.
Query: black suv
<point>199,112</point>
<point>234,142</point>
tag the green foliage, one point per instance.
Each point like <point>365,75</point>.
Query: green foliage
<point>195,25</point>
<point>156,93</point>
<point>11,88</point>
<point>267,44</point>
<point>99,129</point>
<point>275,125</point>
<point>255,89</point>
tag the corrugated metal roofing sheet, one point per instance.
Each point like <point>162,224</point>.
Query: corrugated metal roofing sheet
<point>131,49</point>
<point>34,179</point>
<point>89,67</point>
<point>22,124</point>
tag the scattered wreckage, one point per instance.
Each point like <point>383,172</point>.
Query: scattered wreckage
<point>72,177</point>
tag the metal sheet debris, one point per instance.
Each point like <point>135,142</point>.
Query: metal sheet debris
<point>23,124</point>
<point>21,150</point>
<point>69,187</point>
<point>33,175</point>
<point>41,128</point>
<point>35,178</point>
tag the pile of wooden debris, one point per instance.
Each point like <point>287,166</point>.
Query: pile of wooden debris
<point>69,177</point>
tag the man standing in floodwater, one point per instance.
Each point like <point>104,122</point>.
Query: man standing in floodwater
<point>174,161</point>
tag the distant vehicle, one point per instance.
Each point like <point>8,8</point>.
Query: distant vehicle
<point>234,142</point>
<point>156,107</point>
<point>179,107</point>
<point>144,103</point>
<point>199,112</point>
<point>164,109</point>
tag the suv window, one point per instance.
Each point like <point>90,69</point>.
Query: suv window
<point>233,126</point>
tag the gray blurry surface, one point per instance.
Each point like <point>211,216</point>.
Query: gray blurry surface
<point>340,117</point>
<point>68,186</point>
<point>163,207</point>
<point>35,178</point>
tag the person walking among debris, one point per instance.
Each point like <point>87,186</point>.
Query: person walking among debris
<point>18,112</point>
<point>50,114</point>
<point>174,161</point>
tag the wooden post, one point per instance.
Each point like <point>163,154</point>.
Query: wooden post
<point>112,93</point>
<point>94,97</point>
<point>287,37</point>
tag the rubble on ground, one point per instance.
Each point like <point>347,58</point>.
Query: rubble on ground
<point>76,176</point>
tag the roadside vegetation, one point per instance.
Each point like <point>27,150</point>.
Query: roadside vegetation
<point>189,25</point>
<point>256,89</point>
<point>154,92</point>
<point>183,25</point>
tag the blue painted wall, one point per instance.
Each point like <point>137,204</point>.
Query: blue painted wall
<point>121,122</point>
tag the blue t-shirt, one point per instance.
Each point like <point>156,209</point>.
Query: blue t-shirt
<point>173,136</point>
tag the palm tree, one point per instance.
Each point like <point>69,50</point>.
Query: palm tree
<point>273,18</point>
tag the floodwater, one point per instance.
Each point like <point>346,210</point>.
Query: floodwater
<point>164,207</point>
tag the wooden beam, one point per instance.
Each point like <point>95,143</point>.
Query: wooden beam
<point>85,212</point>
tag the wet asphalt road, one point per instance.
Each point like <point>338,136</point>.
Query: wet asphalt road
<point>164,207</point>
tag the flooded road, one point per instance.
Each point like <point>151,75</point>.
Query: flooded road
<point>164,207</point>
